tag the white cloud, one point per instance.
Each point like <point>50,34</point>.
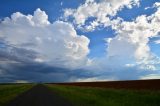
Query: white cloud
<point>129,49</point>
<point>157,41</point>
<point>157,4</point>
<point>128,53</point>
<point>92,79</point>
<point>131,43</point>
<point>21,81</point>
<point>146,8</point>
<point>129,65</point>
<point>99,10</point>
<point>61,3</point>
<point>56,43</point>
<point>108,40</point>
<point>151,76</point>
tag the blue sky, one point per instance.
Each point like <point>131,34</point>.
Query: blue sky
<point>55,8</point>
<point>86,40</point>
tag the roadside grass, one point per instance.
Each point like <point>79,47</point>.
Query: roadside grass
<point>10,91</point>
<point>87,96</point>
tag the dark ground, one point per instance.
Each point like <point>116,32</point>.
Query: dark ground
<point>39,95</point>
<point>153,84</point>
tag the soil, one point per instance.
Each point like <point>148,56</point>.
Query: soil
<point>133,84</point>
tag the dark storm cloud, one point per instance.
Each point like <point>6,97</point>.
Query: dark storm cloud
<point>9,52</point>
<point>39,72</point>
<point>18,64</point>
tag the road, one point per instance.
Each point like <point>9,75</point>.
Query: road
<point>39,95</point>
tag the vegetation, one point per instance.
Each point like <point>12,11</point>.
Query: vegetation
<point>87,96</point>
<point>10,91</point>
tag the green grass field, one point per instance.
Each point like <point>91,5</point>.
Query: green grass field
<point>82,96</point>
<point>8,92</point>
<point>87,96</point>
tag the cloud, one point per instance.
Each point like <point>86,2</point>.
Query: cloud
<point>33,72</point>
<point>151,76</point>
<point>21,81</point>
<point>92,79</point>
<point>61,3</point>
<point>133,37</point>
<point>101,11</point>
<point>33,49</point>
<point>157,4</point>
<point>54,43</point>
<point>128,54</point>
<point>157,41</point>
<point>15,68</point>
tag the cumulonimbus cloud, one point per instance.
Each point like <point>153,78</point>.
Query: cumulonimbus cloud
<point>55,43</point>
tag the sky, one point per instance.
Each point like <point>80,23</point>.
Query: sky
<point>79,40</point>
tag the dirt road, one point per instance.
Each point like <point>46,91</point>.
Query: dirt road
<point>39,95</point>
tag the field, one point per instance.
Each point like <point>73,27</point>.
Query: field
<point>10,91</point>
<point>153,84</point>
<point>114,93</point>
<point>88,96</point>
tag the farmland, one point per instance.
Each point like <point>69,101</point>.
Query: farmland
<point>10,91</point>
<point>89,96</point>
<point>112,93</point>
<point>153,84</point>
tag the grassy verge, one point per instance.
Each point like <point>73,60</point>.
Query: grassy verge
<point>8,92</point>
<point>82,96</point>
